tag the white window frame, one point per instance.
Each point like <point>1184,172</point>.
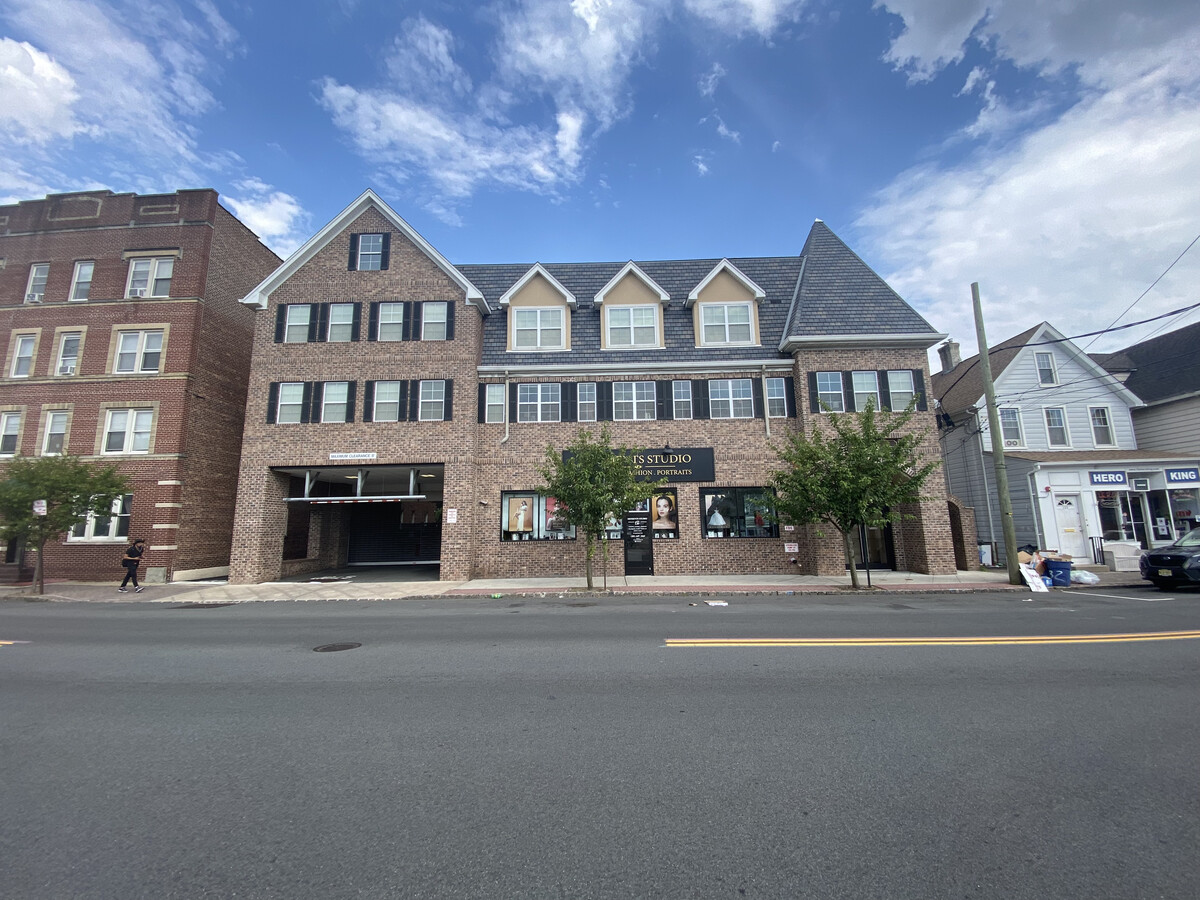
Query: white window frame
<point>330,403</point>
<point>143,341</point>
<point>724,324</point>
<point>373,255</point>
<point>428,334</point>
<point>377,399</point>
<point>78,281</point>
<point>776,397</point>
<point>540,328</point>
<point>681,400</point>
<point>299,317</point>
<point>10,427</point>
<point>587,406</point>
<point>1066,428</point>
<point>894,392</point>
<point>866,393</point>
<point>295,388</point>
<point>394,323</point>
<point>826,394</point>
<point>343,311</point>
<point>634,401</point>
<point>61,362</point>
<point>1108,423</point>
<point>52,416</point>
<point>117,530</point>
<point>633,327</point>
<point>22,364</point>
<point>493,403</point>
<point>39,274</point>
<point>432,398</point>
<point>731,398</point>
<point>135,431</point>
<point>153,266</point>
<point>539,402</point>
<point>1044,356</point>
<point>1014,418</point>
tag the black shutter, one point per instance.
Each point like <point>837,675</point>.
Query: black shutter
<point>569,393</point>
<point>314,313</point>
<point>369,402</point>
<point>699,399</point>
<point>814,398</point>
<point>373,322</point>
<point>402,403</point>
<point>272,402</point>
<point>356,322</point>
<point>322,322</point>
<point>406,327</point>
<point>512,402</point>
<point>604,401</point>
<point>449,321</point>
<point>848,391</point>
<point>386,256</point>
<point>318,398</point>
<point>351,398</point>
<point>885,391</point>
<point>418,318</point>
<point>280,322</point>
<point>306,402</point>
<point>414,401</point>
<point>919,387</point>
<point>663,404</point>
<point>353,265</point>
<point>756,394</point>
<point>482,404</point>
<point>789,396</point>
<point>448,406</point>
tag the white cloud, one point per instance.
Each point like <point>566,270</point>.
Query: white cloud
<point>39,95</point>
<point>277,218</point>
<point>739,16</point>
<point>708,83</point>
<point>701,165</point>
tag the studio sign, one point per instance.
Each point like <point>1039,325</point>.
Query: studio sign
<point>672,464</point>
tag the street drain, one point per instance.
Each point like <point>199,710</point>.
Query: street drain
<point>333,648</point>
<point>201,605</point>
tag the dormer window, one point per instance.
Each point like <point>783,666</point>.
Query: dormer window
<point>726,323</point>
<point>726,307</point>
<point>538,312</point>
<point>632,327</point>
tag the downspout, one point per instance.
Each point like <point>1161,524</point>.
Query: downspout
<point>1038,525</point>
<point>507,415</point>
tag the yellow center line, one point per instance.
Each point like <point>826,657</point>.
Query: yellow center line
<point>935,641</point>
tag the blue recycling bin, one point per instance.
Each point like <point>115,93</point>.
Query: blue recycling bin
<point>1059,571</point>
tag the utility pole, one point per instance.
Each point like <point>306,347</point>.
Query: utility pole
<point>1006,516</point>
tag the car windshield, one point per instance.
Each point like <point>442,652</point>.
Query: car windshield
<point>1191,539</point>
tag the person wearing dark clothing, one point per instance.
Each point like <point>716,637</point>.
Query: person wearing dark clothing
<point>131,561</point>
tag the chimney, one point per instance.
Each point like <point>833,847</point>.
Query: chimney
<point>950,355</point>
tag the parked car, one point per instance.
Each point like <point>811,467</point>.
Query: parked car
<point>1177,564</point>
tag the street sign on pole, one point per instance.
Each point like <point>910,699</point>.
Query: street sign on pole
<point>39,507</point>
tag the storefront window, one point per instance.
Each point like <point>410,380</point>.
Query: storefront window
<point>1184,509</point>
<point>524,516</point>
<point>738,512</point>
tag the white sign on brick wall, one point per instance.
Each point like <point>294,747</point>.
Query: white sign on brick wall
<point>353,455</point>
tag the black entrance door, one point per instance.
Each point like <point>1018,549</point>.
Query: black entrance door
<point>639,544</point>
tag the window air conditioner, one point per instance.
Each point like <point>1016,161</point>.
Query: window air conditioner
<point>66,369</point>
<point>33,298</point>
<point>137,292</point>
<point>1012,443</point>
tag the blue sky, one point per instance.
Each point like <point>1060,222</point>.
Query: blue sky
<point>1051,153</point>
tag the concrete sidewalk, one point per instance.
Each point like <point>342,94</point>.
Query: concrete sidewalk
<point>346,585</point>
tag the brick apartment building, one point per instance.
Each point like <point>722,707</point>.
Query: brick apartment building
<point>125,343</point>
<point>400,406</point>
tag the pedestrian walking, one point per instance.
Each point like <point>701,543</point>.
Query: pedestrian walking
<point>131,561</point>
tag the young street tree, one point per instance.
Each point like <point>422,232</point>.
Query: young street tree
<point>594,482</point>
<point>859,473</point>
<point>71,489</point>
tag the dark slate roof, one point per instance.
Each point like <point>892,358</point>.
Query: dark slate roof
<point>963,385</point>
<point>1162,367</point>
<point>841,294</point>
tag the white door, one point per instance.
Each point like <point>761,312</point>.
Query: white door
<point>1071,537</point>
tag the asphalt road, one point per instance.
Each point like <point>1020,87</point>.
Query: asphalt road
<point>563,749</point>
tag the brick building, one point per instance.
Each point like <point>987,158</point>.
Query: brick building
<point>399,406</point>
<point>126,343</point>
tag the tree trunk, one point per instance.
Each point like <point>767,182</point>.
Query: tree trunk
<point>39,575</point>
<point>849,551</point>
<point>591,549</point>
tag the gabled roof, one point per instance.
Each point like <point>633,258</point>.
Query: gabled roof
<point>632,268</point>
<point>366,200</point>
<point>841,301</point>
<point>535,270</point>
<point>1161,368</point>
<point>725,266</point>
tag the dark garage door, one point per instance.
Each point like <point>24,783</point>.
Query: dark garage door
<point>378,536</point>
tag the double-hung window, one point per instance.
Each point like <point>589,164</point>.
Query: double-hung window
<point>432,406</point>
<point>1010,428</point>
<point>335,401</point>
<point>297,320</point>
<point>433,320</point>
<point>493,403</point>
<point>341,322</point>
<point>900,388</point>
<point>731,398</point>
<point>1047,374</point>
<point>111,527</point>
<point>829,391</point>
<point>632,327</point>
<point>726,323</point>
<point>81,280</point>
<point>139,352</point>
<point>56,433</point>
<point>291,403</point>
<point>633,400</point>
<point>537,328</point>
<point>370,252</point>
<point>586,405</point>
<point>68,353</point>
<point>10,432</point>
<point>35,290</point>
<point>866,389</point>
<point>22,363</point>
<point>386,402</point>
<point>539,402</point>
<point>681,396</point>
<point>150,276</point>
<point>1056,427</point>
<point>128,431</point>
<point>1102,430</point>
<point>391,322</point>
<point>777,398</point>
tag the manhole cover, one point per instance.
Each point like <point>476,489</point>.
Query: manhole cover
<point>333,648</point>
<point>201,605</point>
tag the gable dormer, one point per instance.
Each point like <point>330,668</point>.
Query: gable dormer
<point>539,312</point>
<point>631,311</point>
<point>725,308</point>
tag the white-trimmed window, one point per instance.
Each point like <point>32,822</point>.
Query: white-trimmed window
<point>726,323</point>
<point>633,400</point>
<point>68,353</point>
<point>150,276</point>
<point>777,398</point>
<point>128,431</point>
<point>10,433</point>
<point>586,411</point>
<point>1010,428</point>
<point>866,389</point>
<point>139,351</point>
<point>341,322</point>
<point>56,433</point>
<point>296,321</point>
<point>385,407</point>
<point>1056,427</point>
<point>335,401</point>
<point>731,398</point>
<point>22,364</point>
<point>35,290</point>
<point>901,388</point>
<point>113,527</point>
<point>81,280</point>
<point>433,320</point>
<point>432,406</point>
<point>539,402</point>
<point>291,403</point>
<point>493,403</point>
<point>681,397</point>
<point>537,328</point>
<point>829,391</point>
<point>1047,373</point>
<point>391,322</point>
<point>1102,430</point>
<point>632,326</point>
<point>370,252</point>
